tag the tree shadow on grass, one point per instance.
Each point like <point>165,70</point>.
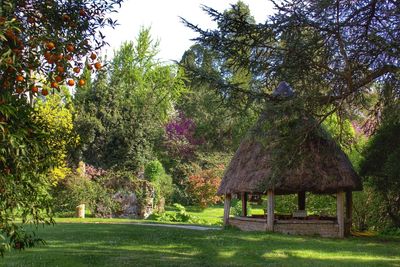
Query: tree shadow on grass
<point>132,245</point>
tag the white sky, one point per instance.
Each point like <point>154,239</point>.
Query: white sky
<point>163,18</point>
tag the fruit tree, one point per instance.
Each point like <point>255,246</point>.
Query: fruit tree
<point>43,44</point>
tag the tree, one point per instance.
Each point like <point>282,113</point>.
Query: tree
<point>42,44</point>
<point>331,52</point>
<point>120,115</point>
<point>154,172</point>
<point>222,117</point>
<point>219,122</point>
<point>55,114</point>
<point>381,163</point>
<point>203,186</point>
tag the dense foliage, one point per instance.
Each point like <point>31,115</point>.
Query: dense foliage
<point>42,44</point>
<point>341,57</point>
<point>162,132</point>
<point>119,114</point>
<point>222,117</point>
<point>55,113</point>
<point>154,172</point>
<point>330,51</point>
<point>203,186</point>
<point>381,166</point>
<point>25,161</point>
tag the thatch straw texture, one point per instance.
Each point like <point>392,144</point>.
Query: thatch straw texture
<point>319,167</point>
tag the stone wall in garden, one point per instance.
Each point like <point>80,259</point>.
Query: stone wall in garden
<point>323,228</point>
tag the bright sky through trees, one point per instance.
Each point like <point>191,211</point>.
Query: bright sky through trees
<point>163,18</point>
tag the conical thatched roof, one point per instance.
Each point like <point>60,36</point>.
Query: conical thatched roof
<point>310,161</point>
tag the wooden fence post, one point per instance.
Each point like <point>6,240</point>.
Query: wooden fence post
<point>340,212</point>
<point>270,209</point>
<point>227,208</point>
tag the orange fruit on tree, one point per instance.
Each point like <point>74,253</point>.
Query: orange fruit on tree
<point>97,65</point>
<point>77,69</point>
<point>68,57</point>
<point>54,58</point>
<point>19,90</point>
<point>60,56</point>
<point>50,45</point>
<point>10,34</point>
<point>54,85</point>
<point>81,82</point>
<point>45,92</point>
<point>71,82</point>
<point>66,17</point>
<point>82,12</point>
<point>34,89</point>
<point>60,69</point>
<point>19,78</point>
<point>47,55</point>
<point>70,47</point>
<point>31,20</point>
<point>58,78</point>
<point>93,56</point>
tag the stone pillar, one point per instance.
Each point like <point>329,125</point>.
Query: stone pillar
<point>270,211</point>
<point>80,211</point>
<point>227,208</point>
<point>301,200</point>
<point>349,212</point>
<point>244,204</point>
<point>340,212</point>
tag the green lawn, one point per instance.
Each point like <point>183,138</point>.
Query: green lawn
<point>210,216</point>
<point>78,244</point>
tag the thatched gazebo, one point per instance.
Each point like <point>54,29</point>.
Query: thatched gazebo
<point>262,166</point>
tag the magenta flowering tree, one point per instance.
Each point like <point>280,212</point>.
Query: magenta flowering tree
<point>180,140</point>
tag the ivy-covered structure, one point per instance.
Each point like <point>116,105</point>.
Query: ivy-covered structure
<point>288,152</point>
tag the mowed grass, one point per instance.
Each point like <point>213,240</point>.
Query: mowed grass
<point>78,244</point>
<point>210,216</point>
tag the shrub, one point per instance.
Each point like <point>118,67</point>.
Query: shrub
<point>154,172</point>
<point>123,184</point>
<point>99,193</point>
<point>181,215</point>
<point>203,186</point>
<point>368,210</point>
<point>179,139</point>
<point>72,191</point>
<point>236,207</point>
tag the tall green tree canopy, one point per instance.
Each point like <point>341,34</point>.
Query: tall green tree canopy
<point>381,163</point>
<point>221,118</point>
<point>120,114</point>
<point>41,42</point>
<point>331,52</point>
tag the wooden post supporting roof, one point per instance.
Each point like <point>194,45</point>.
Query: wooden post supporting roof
<point>340,212</point>
<point>270,211</point>
<point>244,204</point>
<point>349,212</point>
<point>227,208</point>
<point>301,200</point>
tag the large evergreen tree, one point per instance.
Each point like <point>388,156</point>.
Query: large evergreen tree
<point>221,116</point>
<point>381,163</point>
<point>331,52</point>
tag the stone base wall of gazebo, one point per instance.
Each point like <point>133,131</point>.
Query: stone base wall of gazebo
<point>323,228</point>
